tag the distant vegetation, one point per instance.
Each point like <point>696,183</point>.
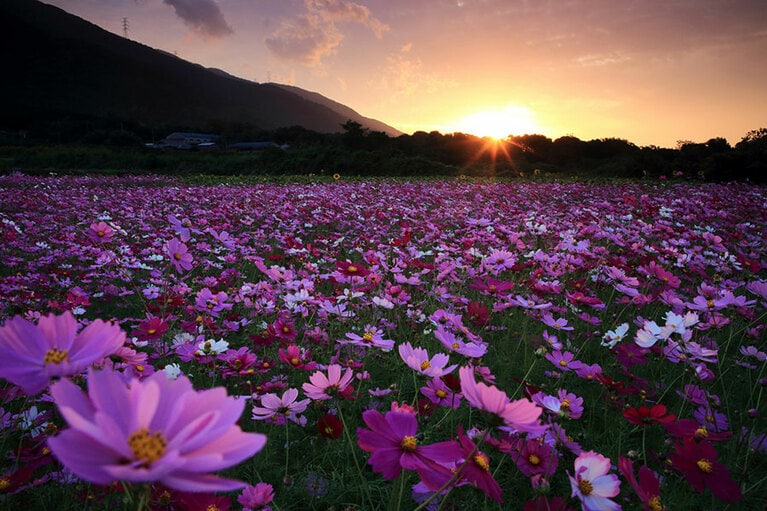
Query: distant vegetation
<point>118,146</point>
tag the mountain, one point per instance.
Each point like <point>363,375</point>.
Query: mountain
<point>60,67</point>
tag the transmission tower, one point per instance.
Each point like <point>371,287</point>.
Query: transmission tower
<point>125,28</point>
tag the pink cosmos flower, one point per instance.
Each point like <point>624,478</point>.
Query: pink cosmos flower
<point>321,387</point>
<point>371,337</point>
<point>257,498</point>
<point>30,355</point>
<point>179,256</point>
<point>454,343</point>
<point>418,360</point>
<point>592,483</point>
<point>520,415</point>
<point>440,394</point>
<point>156,430</point>
<point>100,232</point>
<point>392,440</point>
<point>281,409</point>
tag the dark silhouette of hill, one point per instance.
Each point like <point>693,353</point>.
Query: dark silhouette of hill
<point>58,66</point>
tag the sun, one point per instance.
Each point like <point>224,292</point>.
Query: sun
<point>499,123</point>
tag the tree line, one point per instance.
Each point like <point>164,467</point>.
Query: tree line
<point>355,150</point>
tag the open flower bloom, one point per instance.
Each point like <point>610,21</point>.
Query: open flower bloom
<point>418,360</point>
<point>30,355</point>
<point>155,430</point>
<point>697,460</point>
<point>593,484</point>
<point>392,441</point>
<point>321,387</point>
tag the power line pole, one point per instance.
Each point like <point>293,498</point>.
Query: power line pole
<point>125,28</point>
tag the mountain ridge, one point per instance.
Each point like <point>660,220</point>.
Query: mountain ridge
<point>63,67</point>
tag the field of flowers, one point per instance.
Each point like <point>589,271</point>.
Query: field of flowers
<point>381,345</point>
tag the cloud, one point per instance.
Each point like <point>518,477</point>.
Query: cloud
<point>305,39</point>
<point>203,16</point>
<point>310,36</point>
<point>340,11</point>
<point>404,76</point>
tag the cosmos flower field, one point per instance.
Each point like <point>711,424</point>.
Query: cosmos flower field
<point>381,345</point>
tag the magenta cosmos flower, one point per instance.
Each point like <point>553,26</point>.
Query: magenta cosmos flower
<point>155,430</point>
<point>179,255</point>
<point>392,440</point>
<point>418,360</point>
<point>100,232</point>
<point>520,415</point>
<point>592,483</point>
<point>30,355</point>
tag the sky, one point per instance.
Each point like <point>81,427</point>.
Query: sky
<point>653,72</point>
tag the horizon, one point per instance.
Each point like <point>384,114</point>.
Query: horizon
<point>650,73</point>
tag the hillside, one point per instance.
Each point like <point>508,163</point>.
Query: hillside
<point>60,67</point>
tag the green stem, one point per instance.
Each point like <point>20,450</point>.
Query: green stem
<point>287,448</point>
<point>352,446</point>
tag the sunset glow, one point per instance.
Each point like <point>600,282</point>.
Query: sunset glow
<point>498,124</point>
<point>652,72</point>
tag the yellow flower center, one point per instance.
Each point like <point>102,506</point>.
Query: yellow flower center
<point>351,269</point>
<point>563,363</point>
<point>100,234</point>
<point>367,337</point>
<point>710,304</point>
<point>294,361</point>
<point>147,447</point>
<point>481,460</point>
<point>408,443</point>
<point>455,345</point>
<point>565,404</point>
<point>212,507</point>
<point>152,331</point>
<point>705,465</point>
<point>441,394</point>
<point>55,356</point>
<point>425,365</point>
<point>177,256</point>
<point>533,459</point>
<point>4,483</point>
<point>701,432</point>
<point>655,505</point>
<point>585,487</point>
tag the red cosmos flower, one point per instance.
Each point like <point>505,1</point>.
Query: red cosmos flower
<point>151,328</point>
<point>350,269</point>
<point>452,382</point>
<point>616,386</point>
<point>648,486</point>
<point>544,503</point>
<point>204,502</point>
<point>329,426</point>
<point>690,428</point>
<point>11,482</point>
<point>476,470</point>
<point>697,462</point>
<point>644,416</point>
<point>478,313</point>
